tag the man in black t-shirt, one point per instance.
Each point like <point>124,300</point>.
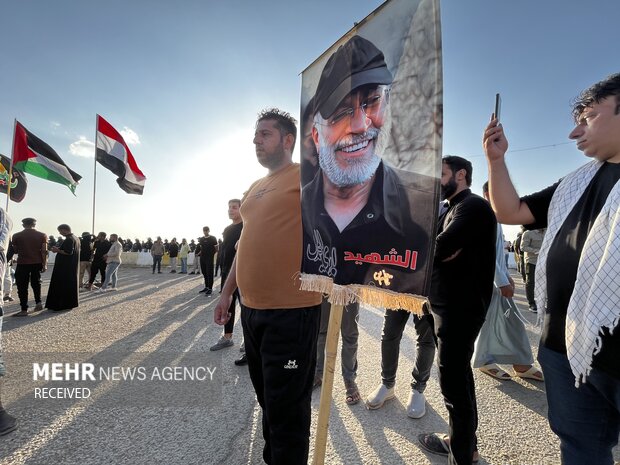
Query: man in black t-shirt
<point>86,255</point>
<point>101,247</point>
<point>226,253</point>
<point>173,253</point>
<point>577,276</point>
<point>208,247</point>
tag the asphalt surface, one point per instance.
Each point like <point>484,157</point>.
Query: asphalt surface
<point>158,322</point>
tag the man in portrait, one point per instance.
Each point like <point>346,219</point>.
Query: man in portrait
<point>365,222</point>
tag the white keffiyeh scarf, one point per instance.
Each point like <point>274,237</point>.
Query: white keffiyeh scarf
<point>595,302</point>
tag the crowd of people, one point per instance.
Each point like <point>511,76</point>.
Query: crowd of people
<point>95,256</point>
<point>567,255</point>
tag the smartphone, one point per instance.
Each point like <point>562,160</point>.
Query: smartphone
<point>498,106</point>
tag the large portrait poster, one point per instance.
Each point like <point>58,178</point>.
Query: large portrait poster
<point>371,127</point>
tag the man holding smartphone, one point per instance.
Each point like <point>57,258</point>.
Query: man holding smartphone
<point>577,275</point>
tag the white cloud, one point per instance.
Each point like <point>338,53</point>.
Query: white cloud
<point>130,136</point>
<point>82,148</point>
<point>55,125</point>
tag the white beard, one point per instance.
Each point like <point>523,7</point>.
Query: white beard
<point>358,170</point>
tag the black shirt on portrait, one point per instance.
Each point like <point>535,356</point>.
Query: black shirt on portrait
<point>563,261</point>
<point>391,225</point>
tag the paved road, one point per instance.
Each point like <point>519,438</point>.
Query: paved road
<point>158,321</point>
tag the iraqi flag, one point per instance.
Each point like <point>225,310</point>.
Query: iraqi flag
<point>32,155</point>
<point>114,154</point>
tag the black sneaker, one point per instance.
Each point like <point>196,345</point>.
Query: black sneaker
<point>8,422</point>
<point>209,292</point>
<point>533,309</point>
<point>204,290</point>
<point>243,360</point>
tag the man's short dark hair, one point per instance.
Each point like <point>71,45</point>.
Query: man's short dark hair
<point>459,163</point>
<point>64,227</point>
<point>237,201</point>
<point>206,228</point>
<point>29,222</point>
<point>102,234</point>
<point>597,92</point>
<point>285,123</point>
<point>485,188</point>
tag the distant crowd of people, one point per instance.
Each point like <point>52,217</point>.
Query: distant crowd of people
<point>93,256</point>
<point>127,245</point>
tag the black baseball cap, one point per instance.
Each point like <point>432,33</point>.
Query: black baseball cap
<point>356,63</point>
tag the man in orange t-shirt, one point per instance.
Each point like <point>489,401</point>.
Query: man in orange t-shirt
<point>280,322</point>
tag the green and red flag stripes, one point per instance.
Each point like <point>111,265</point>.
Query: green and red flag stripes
<point>32,155</point>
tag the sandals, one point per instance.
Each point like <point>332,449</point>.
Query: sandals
<point>437,443</point>
<point>495,371</point>
<point>533,373</point>
<point>352,393</point>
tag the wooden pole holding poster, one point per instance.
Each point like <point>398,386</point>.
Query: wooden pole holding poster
<point>331,347</point>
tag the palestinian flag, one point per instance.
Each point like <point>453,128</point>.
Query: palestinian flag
<point>114,154</point>
<point>32,155</point>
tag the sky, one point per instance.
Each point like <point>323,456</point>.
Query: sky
<point>184,81</point>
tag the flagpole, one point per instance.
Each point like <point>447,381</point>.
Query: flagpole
<point>8,187</point>
<point>95,171</point>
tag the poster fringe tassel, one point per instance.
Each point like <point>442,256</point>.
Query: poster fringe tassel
<point>371,295</point>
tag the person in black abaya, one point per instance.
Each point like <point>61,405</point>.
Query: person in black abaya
<point>63,290</point>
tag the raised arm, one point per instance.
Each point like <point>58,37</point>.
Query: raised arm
<point>504,198</point>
